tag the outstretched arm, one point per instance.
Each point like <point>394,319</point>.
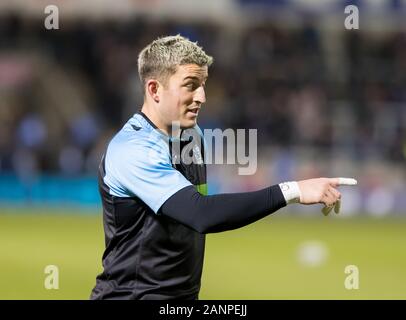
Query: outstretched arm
<point>216,213</point>
<point>221,212</point>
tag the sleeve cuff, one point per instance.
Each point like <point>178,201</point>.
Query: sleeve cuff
<point>290,191</point>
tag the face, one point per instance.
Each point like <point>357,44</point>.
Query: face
<point>183,95</point>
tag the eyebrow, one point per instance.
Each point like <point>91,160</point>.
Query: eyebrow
<point>194,78</point>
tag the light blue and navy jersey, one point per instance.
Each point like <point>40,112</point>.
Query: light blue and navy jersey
<point>149,255</point>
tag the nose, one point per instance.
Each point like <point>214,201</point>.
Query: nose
<point>200,95</point>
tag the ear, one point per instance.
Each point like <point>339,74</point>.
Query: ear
<point>152,88</point>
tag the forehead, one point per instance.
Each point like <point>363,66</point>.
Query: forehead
<point>191,70</point>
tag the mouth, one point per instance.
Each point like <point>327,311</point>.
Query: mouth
<point>193,112</point>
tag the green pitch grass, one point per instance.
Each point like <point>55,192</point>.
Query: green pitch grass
<point>256,262</point>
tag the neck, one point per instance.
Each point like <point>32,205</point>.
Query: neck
<point>157,120</point>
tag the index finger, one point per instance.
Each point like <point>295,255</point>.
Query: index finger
<point>343,182</point>
<point>347,182</point>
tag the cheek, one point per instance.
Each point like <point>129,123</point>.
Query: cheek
<point>186,99</point>
<point>177,100</point>
<point>169,99</point>
<point>182,100</point>
<point>174,105</point>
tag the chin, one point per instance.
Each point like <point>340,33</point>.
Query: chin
<point>188,123</point>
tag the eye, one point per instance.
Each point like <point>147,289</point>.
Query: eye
<point>192,86</point>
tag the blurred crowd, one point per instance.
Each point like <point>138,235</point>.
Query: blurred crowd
<point>63,93</point>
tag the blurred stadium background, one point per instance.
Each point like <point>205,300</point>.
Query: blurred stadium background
<point>326,102</point>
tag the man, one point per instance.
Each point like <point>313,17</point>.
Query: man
<point>156,210</point>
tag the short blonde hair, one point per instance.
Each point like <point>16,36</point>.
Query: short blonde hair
<point>160,59</point>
